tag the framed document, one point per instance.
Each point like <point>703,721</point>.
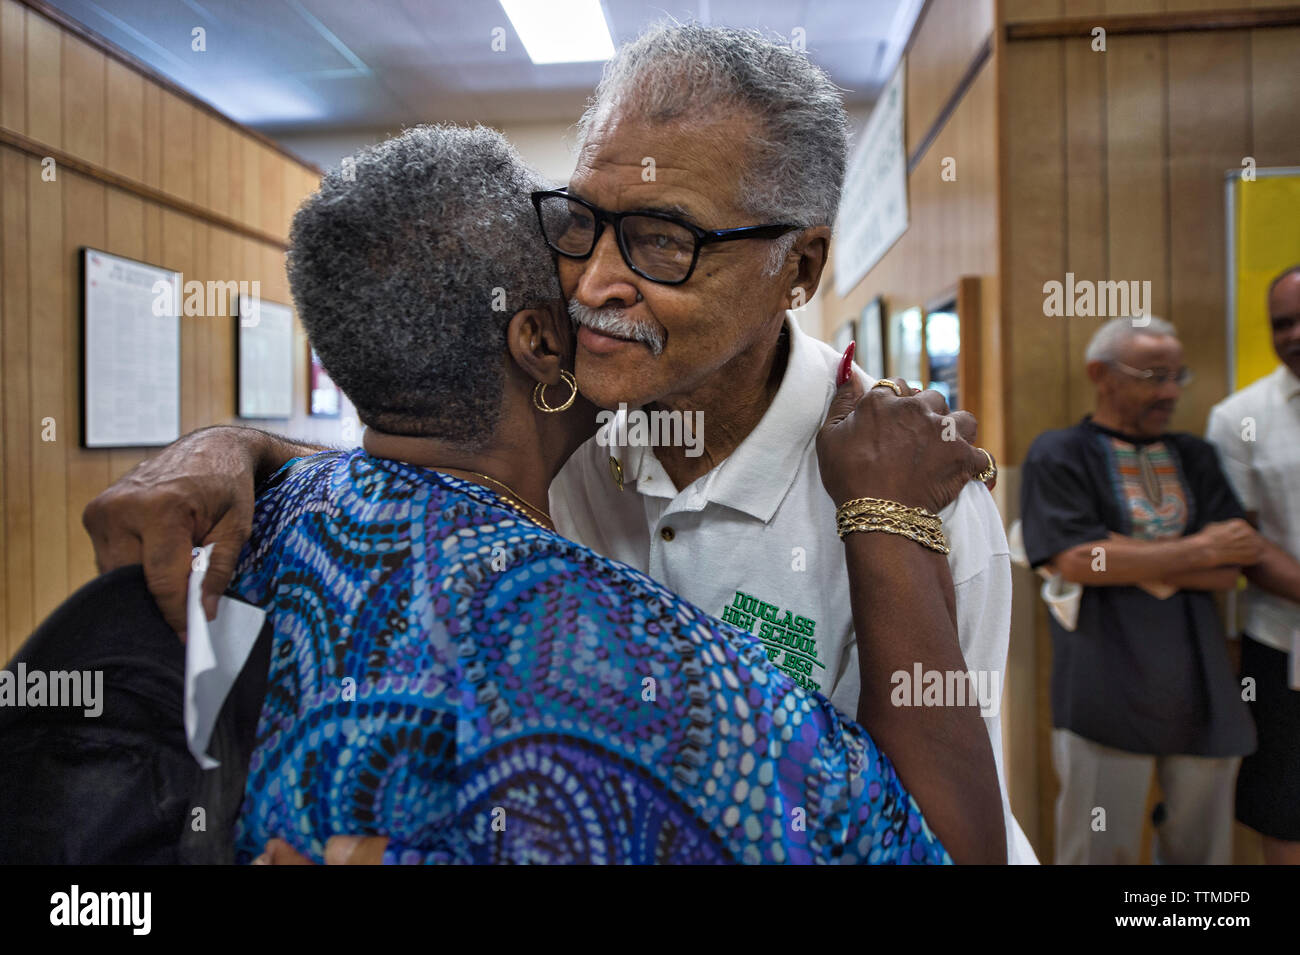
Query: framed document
<point>130,352</point>
<point>871,338</point>
<point>265,359</point>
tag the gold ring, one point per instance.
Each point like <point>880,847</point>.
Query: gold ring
<point>891,385</point>
<point>990,472</point>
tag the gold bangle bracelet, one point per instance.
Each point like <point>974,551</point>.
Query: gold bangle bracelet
<point>922,520</point>
<point>873,505</point>
<point>880,504</point>
<point>935,541</point>
<point>867,514</point>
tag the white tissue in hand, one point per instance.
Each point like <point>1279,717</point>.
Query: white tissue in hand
<point>214,654</point>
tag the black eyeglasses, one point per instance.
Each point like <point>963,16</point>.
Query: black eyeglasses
<point>655,245</point>
<point>1157,376</point>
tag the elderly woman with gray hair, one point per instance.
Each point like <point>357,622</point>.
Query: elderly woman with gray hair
<point>678,282</point>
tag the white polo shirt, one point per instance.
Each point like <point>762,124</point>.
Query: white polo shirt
<point>753,542</point>
<point>1257,434</point>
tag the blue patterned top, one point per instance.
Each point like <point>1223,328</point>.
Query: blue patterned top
<point>481,690</point>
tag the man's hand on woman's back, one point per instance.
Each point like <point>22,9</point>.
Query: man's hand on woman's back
<point>198,490</point>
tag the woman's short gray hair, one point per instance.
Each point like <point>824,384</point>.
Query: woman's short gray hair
<point>798,149</point>
<point>1110,338</point>
<point>406,266</point>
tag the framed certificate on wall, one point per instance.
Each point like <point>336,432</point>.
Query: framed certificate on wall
<point>871,338</point>
<point>265,359</point>
<point>130,352</point>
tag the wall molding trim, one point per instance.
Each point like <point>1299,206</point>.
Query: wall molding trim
<point>66,160</point>
<point>1154,23</point>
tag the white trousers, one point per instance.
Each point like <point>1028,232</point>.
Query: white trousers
<point>1099,813</point>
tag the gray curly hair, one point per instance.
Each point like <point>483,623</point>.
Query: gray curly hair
<point>399,264</point>
<point>798,149</point>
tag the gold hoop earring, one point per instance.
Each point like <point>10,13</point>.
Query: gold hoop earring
<point>539,394</point>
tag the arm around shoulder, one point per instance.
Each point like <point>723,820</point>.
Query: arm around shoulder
<point>198,490</point>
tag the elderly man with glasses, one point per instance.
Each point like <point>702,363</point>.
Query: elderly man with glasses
<point>1144,519</point>
<point>709,173</point>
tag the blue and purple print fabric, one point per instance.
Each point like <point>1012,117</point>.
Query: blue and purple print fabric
<point>479,689</point>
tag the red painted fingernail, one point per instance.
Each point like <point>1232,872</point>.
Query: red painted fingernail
<point>846,365</point>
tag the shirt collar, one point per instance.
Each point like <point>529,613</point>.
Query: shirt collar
<point>1132,439</point>
<point>756,476</point>
<point>1288,385</point>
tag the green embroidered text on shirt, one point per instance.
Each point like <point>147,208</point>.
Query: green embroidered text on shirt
<point>787,636</point>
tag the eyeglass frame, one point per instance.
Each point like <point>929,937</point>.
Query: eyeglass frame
<point>703,237</point>
<point>1148,375</point>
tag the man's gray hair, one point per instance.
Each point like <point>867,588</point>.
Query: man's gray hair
<point>406,266</point>
<point>1110,338</point>
<point>798,150</point>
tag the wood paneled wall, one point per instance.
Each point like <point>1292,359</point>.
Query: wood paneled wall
<point>69,95</point>
<point>1108,165</point>
<point>953,226</point>
<point>1114,169</point>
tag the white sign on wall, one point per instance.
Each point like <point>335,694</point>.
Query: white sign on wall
<point>873,208</point>
<point>265,359</point>
<point>131,353</point>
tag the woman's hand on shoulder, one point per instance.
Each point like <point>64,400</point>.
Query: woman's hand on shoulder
<point>905,446</point>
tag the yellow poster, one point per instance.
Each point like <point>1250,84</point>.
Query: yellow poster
<point>1266,240</point>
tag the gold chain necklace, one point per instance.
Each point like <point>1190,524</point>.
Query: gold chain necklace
<point>514,498</point>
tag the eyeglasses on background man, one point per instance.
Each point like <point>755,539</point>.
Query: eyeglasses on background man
<point>1157,376</point>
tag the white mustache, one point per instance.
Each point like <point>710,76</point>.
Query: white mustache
<point>614,321</point>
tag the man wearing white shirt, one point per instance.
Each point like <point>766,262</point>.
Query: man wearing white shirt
<point>1257,434</point>
<point>752,542</point>
<point>673,317</point>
